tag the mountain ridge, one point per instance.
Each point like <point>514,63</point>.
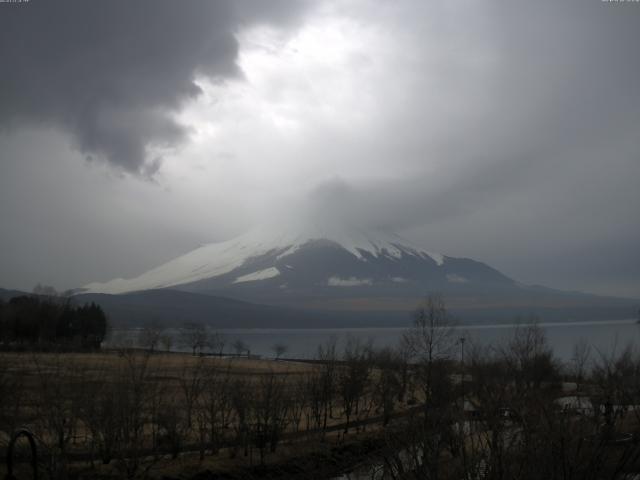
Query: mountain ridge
<point>351,273</point>
<point>220,258</point>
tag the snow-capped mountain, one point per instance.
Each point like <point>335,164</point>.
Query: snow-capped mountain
<point>315,266</point>
<point>223,258</point>
<point>329,276</point>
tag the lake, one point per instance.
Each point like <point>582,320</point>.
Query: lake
<point>603,336</point>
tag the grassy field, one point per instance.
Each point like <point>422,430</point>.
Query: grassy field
<point>130,413</point>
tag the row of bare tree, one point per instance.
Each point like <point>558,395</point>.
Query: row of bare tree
<point>131,408</point>
<point>196,337</point>
<point>504,412</point>
<point>439,412</point>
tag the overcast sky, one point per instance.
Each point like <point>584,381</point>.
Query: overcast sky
<point>508,132</point>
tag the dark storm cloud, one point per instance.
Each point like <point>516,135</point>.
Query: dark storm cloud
<point>112,73</point>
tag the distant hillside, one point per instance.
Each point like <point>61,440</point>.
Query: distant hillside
<point>7,294</point>
<point>172,308</point>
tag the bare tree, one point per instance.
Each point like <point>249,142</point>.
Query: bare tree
<point>418,443</point>
<point>579,363</point>
<point>195,336</point>
<point>491,381</point>
<point>432,336</point>
<point>191,383</point>
<point>56,405</point>
<point>326,387</point>
<point>166,340</point>
<point>217,342</point>
<point>99,412</point>
<point>12,390</point>
<point>431,341</point>
<point>523,432</point>
<point>216,406</point>
<point>135,389</point>
<point>149,337</point>
<point>530,358</point>
<point>269,409</point>
<point>173,427</point>
<point>241,399</point>
<point>387,384</point>
<point>353,377</point>
<point>299,394</point>
<point>279,349</point>
<point>240,347</point>
<point>403,355</point>
<point>617,375</point>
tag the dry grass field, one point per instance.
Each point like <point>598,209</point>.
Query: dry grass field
<point>132,413</point>
<point>136,414</point>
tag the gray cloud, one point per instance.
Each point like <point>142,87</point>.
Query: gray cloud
<point>112,74</point>
<point>517,143</point>
<point>505,132</point>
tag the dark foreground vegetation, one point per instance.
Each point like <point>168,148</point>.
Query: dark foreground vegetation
<point>435,407</point>
<point>50,322</point>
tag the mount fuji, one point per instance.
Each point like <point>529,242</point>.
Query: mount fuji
<point>349,273</point>
<point>314,267</point>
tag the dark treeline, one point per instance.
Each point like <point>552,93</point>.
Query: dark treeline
<point>30,321</point>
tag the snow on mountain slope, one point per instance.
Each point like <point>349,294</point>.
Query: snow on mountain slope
<point>259,275</point>
<point>217,259</point>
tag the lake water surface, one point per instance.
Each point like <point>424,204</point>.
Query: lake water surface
<point>603,336</point>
